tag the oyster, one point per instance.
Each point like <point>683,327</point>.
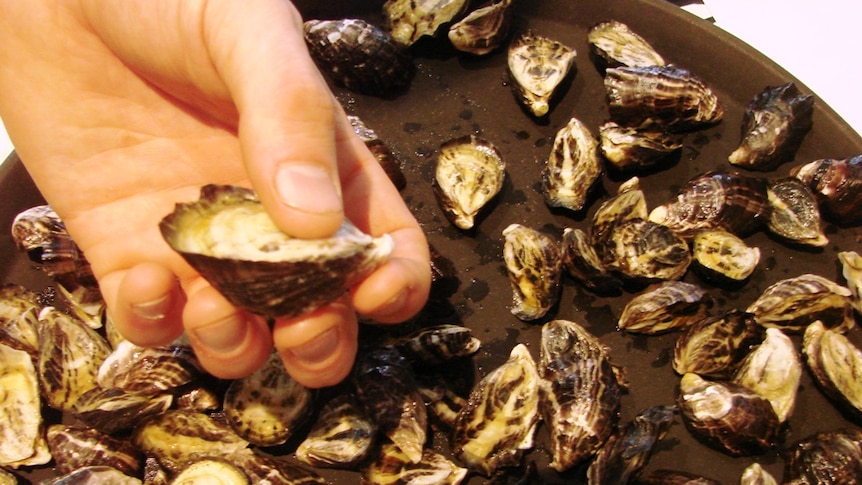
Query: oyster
<point>827,458</point>
<point>534,265</point>
<point>21,426</point>
<point>773,126</point>
<point>645,250</point>
<point>409,20</point>
<point>716,200</point>
<point>836,365</point>
<point>437,344</point>
<point>442,402</point>
<point>727,416</point>
<point>793,303</point>
<point>74,447</point>
<point>498,422</point>
<point>484,29</point>
<point>837,185</point>
<point>626,452</point>
<point>572,168</point>
<point>716,346</point>
<point>94,475</point>
<point>773,371</point>
<point>263,468</point>
<point>674,477</point>
<point>359,56</point>
<point>637,150</point>
<point>537,67</point>
<point>149,370</point>
<point>615,45</point>
<point>660,97</point>
<point>228,237</point>
<point>342,436</point>
<point>794,214</point>
<point>381,152</point>
<point>19,314</point>
<point>754,474</point>
<point>664,307</point>
<point>581,262</point>
<point>393,466</point>
<point>267,406</point>
<point>629,203</point>
<point>70,354</point>
<point>113,410</point>
<point>211,470</point>
<point>723,257</point>
<point>580,393</point>
<point>470,172</point>
<point>851,269</point>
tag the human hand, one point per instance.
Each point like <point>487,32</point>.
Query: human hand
<point>121,109</point>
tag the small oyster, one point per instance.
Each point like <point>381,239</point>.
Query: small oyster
<point>74,447</point>
<point>437,344</point>
<point>380,150</point>
<point>210,470</point>
<point>851,269</point>
<point>723,257</point>
<point>21,426</point>
<point>629,203</point>
<point>393,466</point>
<point>580,393</point>
<point>773,371</point>
<point>19,314</point>
<point>267,406</point>
<point>581,262</point>
<point>716,200</point>
<point>664,307</point>
<point>727,416</point>
<point>716,346</point>
<point>484,29</point>
<point>227,236</point>
<point>534,265</point>
<point>409,20</point>
<point>794,213</point>
<point>793,303</point>
<point>664,97</point>
<point>754,474</point>
<point>827,458</point>
<point>773,126</point>
<point>442,402</point>
<point>644,250</point>
<point>470,172</point>
<point>497,423</point>
<point>637,150</point>
<point>264,468</point>
<point>359,56</point>
<point>627,451</point>
<point>113,410</point>
<point>342,436</point>
<point>572,168</point>
<point>615,44</point>
<point>537,67</point>
<point>836,364</point>
<point>837,185</point>
<point>149,370</point>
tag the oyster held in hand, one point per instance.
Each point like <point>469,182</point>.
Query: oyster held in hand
<point>227,236</point>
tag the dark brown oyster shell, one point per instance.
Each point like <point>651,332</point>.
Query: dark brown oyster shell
<point>646,251</point>
<point>827,458</point>
<point>342,436</point>
<point>716,346</point>
<point>582,263</point>
<point>534,265</point>
<point>630,149</point>
<point>838,187</point>
<point>664,307</point>
<point>387,160</point>
<point>793,303</point>
<point>74,447</point>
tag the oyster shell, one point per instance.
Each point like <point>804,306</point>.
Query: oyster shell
<point>267,406</point>
<point>484,29</point>
<point>754,474</point>
<point>637,150</point>
<point>836,364</point>
<point>837,185</point>
<point>227,236</point>
<point>716,200</point>
<point>851,269</point>
<point>794,214</point>
<point>437,344</point>
<point>74,447</point>
<point>582,263</point>
<point>723,257</point>
<point>572,168</point>
<point>626,452</point>
<point>580,394</point>
<point>442,402</point>
<point>498,422</point>
<point>210,470</point>
<point>393,466</point>
<point>342,436</point>
<point>615,45</point>
<point>827,458</point>
<point>629,203</point>
<point>470,172</point>
<point>21,426</point>
<point>537,67</point>
<point>716,346</point>
<point>773,126</point>
<point>409,20</point>
<point>663,97</point>
<point>380,150</point>
<point>113,410</point>
<point>645,250</point>
<point>359,56</point>
<point>95,475</point>
<point>149,370</point>
<point>727,416</point>
<point>674,477</point>
<point>534,265</point>
<point>19,314</point>
<point>773,371</point>
<point>793,303</point>
<point>263,468</point>
<point>664,307</point>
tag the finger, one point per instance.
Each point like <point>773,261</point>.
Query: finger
<point>228,342</point>
<point>145,303</point>
<point>318,349</point>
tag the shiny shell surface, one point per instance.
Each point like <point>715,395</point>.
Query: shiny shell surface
<point>19,314</point>
<point>538,65</point>
<point>793,303</point>
<point>484,29</point>
<point>644,250</point>
<point>618,45</point>
<point>582,262</point>
<point>851,269</point>
<point>572,168</point>
<point>341,437</point>
<point>637,150</point>
<point>74,447</point>
<point>534,265</point>
<point>664,307</point>
<point>723,257</point>
<point>469,173</point>
<point>228,237</point>
<point>409,20</point>
<point>836,364</point>
<point>629,203</point>
<point>392,466</point>
<point>773,370</point>
<point>827,458</point>
<point>716,346</point>
<point>837,183</point>
<point>149,370</point>
<point>794,213</point>
<point>21,427</point>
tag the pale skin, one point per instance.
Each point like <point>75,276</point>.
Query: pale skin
<point>120,109</point>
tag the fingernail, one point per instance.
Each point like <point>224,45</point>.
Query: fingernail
<point>152,310</point>
<point>317,349</point>
<point>222,336</point>
<point>308,188</point>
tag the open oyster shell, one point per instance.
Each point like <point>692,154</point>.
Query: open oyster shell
<point>227,236</point>
<point>537,66</point>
